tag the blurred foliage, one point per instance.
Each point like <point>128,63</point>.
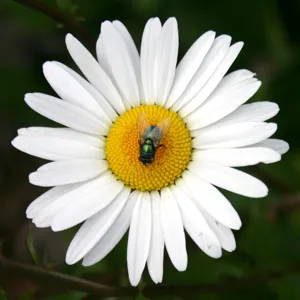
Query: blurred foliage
<point>31,248</point>
<point>68,296</point>
<point>70,9</point>
<point>272,43</point>
<point>2,294</point>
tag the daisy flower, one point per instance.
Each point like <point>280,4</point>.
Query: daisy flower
<point>97,176</point>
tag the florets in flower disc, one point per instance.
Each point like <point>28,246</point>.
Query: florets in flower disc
<point>123,150</point>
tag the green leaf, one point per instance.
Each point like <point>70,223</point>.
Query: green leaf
<point>31,248</point>
<point>2,295</point>
<point>69,8</point>
<point>63,4</point>
<point>140,297</point>
<point>68,296</point>
<point>27,296</point>
<point>229,269</point>
<point>287,288</point>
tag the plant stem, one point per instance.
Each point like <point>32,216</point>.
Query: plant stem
<point>55,14</point>
<point>67,282</point>
<point>59,280</point>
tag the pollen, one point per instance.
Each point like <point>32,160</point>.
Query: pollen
<point>170,160</point>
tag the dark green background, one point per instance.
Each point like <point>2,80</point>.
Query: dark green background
<point>270,236</point>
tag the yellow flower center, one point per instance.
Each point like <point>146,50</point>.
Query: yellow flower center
<point>123,150</point>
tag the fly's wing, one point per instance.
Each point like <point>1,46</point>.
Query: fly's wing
<point>142,125</point>
<point>160,131</point>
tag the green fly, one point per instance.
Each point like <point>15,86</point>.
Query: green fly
<point>150,137</point>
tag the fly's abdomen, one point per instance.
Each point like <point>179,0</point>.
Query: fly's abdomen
<point>147,152</point>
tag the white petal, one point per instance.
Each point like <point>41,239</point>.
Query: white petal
<point>102,57</point>
<point>56,148</point>
<point>134,54</point>
<point>104,62</point>
<point>95,228</point>
<point>62,133</point>
<point>120,63</point>
<point>189,65</point>
<point>114,233</point>
<point>277,145</point>
<point>132,50</point>
<point>166,60</point>
<point>106,112</point>
<point>86,201</point>
<point>139,238</point>
<point>196,226</point>
<point>223,233</point>
<point>219,105</point>
<point>71,90</point>
<point>232,79</point>
<point>45,199</point>
<point>148,51</point>
<point>173,230</point>
<point>44,216</point>
<point>229,179</point>
<point>252,112</point>
<point>213,81</point>
<point>210,63</point>
<point>94,73</point>
<point>238,157</point>
<point>207,197</point>
<point>67,171</point>
<point>234,135</point>
<point>156,253</point>
<point>65,113</point>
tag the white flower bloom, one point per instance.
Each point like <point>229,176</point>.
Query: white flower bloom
<point>96,175</point>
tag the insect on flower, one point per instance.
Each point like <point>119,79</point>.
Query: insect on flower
<point>150,137</point>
